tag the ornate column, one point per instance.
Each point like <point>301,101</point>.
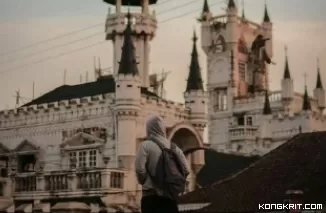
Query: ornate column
<point>106,174</point>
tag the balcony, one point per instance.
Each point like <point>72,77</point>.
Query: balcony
<point>97,182</point>
<point>243,133</point>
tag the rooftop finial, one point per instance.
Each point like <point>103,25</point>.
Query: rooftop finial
<point>305,75</point>
<point>194,81</point>
<point>266,16</point>
<point>319,84</point>
<point>195,38</point>
<point>206,7</point>
<point>243,10</point>
<point>306,102</point>
<point>287,74</point>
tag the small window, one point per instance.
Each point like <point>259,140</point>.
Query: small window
<point>82,159</point>
<point>249,121</point>
<point>72,159</point>
<point>219,99</point>
<point>241,121</point>
<point>92,158</point>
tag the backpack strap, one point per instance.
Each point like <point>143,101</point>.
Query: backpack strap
<point>173,146</point>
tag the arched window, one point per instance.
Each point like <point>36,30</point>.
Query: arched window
<point>219,44</point>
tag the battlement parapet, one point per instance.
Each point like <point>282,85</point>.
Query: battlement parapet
<point>53,106</point>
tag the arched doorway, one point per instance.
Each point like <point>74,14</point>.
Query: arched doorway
<point>185,136</point>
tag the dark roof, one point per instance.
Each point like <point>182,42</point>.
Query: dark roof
<point>219,166</point>
<point>306,102</point>
<point>231,4</point>
<point>319,84</point>
<point>195,81</point>
<point>66,92</point>
<point>206,7</point>
<point>298,164</point>
<point>128,64</point>
<point>266,16</point>
<point>267,106</point>
<point>129,2</point>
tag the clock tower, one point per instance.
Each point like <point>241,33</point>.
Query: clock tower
<point>219,42</point>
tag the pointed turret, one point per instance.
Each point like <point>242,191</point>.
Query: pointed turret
<point>231,4</point>
<point>243,11</point>
<point>194,81</point>
<point>319,92</point>
<point>286,74</point>
<point>127,102</point>
<point>128,64</point>
<point>266,15</point>
<point>206,7</point>
<point>267,106</point>
<point>306,102</point>
<point>287,86</point>
<point>195,101</point>
<point>319,84</point>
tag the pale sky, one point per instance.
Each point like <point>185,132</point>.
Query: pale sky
<point>300,24</point>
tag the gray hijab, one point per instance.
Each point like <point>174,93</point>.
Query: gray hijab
<point>156,130</point>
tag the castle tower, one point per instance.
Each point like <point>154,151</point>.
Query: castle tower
<point>127,100</point>
<point>287,86</point>
<point>232,26</point>
<point>206,34</point>
<point>195,100</point>
<point>143,27</point>
<point>267,26</point>
<point>319,91</point>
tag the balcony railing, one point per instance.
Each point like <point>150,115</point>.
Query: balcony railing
<point>243,133</point>
<point>56,182</point>
<point>47,183</point>
<point>90,180</point>
<point>25,183</point>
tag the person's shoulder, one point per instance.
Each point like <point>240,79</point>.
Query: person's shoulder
<point>177,148</point>
<point>146,143</point>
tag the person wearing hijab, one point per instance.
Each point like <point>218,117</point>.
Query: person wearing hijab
<point>145,165</point>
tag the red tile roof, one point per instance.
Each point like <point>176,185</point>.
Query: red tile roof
<point>299,164</point>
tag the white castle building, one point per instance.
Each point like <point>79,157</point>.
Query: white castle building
<point>78,143</point>
<point>244,116</point>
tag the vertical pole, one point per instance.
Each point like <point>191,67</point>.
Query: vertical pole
<point>33,90</point>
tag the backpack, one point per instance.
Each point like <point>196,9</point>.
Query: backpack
<point>169,179</point>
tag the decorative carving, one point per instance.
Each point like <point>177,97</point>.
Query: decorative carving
<point>26,146</point>
<point>106,159</point>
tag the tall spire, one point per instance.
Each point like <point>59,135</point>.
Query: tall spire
<point>266,16</point>
<point>306,102</point>
<point>128,64</point>
<point>287,74</point>
<point>319,84</point>
<point>206,7</point>
<point>194,81</point>
<point>267,106</point>
<point>243,10</point>
<point>231,4</point>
